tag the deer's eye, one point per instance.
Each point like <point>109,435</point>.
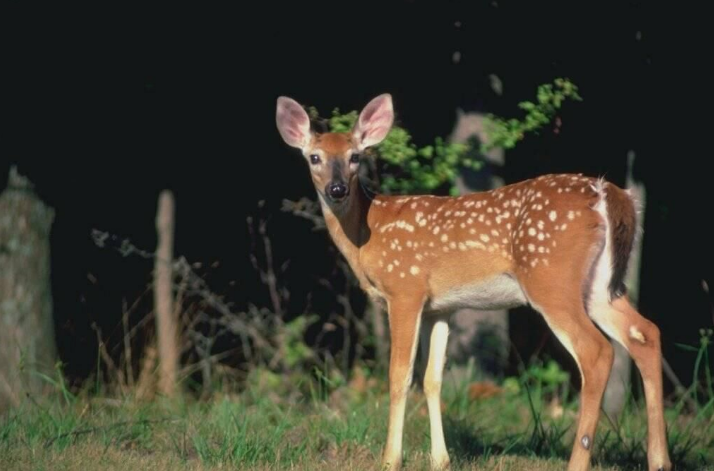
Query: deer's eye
<point>354,159</point>
<point>314,159</point>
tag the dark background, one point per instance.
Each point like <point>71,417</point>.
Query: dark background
<point>106,106</point>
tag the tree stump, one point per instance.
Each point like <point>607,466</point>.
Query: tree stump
<point>27,335</point>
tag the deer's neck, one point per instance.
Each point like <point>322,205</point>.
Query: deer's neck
<point>347,225</point>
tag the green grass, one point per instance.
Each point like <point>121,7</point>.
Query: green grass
<point>295,427</point>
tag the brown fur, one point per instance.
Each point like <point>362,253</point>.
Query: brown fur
<point>535,241</point>
<point>623,227</point>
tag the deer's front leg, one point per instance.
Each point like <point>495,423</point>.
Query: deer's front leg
<point>404,322</point>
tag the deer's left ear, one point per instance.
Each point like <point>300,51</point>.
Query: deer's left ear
<point>374,121</point>
<point>293,122</point>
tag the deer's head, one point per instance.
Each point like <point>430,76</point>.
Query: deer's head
<point>334,158</point>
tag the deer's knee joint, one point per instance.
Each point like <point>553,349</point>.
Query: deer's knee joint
<point>431,386</point>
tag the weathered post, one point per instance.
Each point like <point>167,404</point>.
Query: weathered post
<point>27,334</point>
<point>166,323</point>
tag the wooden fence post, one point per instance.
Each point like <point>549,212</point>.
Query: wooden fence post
<point>166,323</point>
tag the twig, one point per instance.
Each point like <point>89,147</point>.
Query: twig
<point>267,274</point>
<point>306,209</point>
<point>85,431</point>
<point>127,346</point>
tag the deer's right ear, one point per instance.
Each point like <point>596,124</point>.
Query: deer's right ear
<point>293,122</point>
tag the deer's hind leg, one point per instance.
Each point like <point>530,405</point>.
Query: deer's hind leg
<point>556,286</point>
<point>641,338</point>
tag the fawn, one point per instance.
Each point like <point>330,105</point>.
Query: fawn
<point>559,243</point>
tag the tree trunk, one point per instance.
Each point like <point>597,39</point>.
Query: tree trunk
<point>166,323</point>
<point>27,337</point>
<point>478,339</point>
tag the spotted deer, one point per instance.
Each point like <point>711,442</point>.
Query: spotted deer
<point>559,243</point>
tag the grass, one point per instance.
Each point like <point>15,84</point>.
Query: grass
<point>292,426</point>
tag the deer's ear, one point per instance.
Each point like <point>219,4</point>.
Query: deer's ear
<point>374,121</point>
<point>293,122</point>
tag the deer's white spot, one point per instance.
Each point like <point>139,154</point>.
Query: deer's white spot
<point>553,215</point>
<point>635,334</point>
<point>541,236</point>
<point>531,248</point>
<point>484,237</point>
<point>531,231</point>
<point>571,215</point>
<point>390,267</point>
<point>386,227</point>
<point>474,244</point>
<point>436,230</point>
<point>414,270</point>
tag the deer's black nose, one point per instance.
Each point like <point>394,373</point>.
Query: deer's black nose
<point>337,191</point>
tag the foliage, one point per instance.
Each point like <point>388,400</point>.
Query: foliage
<point>549,98</point>
<point>408,168</point>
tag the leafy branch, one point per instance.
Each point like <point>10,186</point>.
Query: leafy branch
<point>506,133</point>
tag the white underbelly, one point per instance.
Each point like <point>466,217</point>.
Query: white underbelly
<point>499,292</point>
